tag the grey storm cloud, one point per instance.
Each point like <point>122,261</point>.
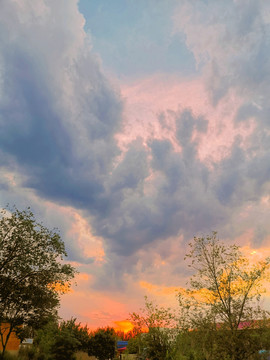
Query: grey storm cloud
<point>59,116</point>
<point>62,141</point>
<point>230,39</point>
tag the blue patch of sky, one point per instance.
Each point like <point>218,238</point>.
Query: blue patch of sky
<point>135,37</point>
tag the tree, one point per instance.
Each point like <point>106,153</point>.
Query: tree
<point>45,338</point>
<point>32,272</point>
<point>156,331</point>
<point>65,343</point>
<point>61,341</point>
<point>81,334</point>
<point>102,344</point>
<point>223,303</point>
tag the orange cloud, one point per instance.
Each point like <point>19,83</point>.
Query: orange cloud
<point>124,325</point>
<point>255,255</point>
<point>159,290</point>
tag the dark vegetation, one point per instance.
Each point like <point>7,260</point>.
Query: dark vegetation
<point>31,272</point>
<point>219,315</point>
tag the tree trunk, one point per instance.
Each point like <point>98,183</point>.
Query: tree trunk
<point>4,343</point>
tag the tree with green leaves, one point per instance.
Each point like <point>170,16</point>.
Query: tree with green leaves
<point>61,340</point>
<point>65,343</point>
<point>32,272</point>
<point>44,339</point>
<point>102,344</point>
<point>80,333</point>
<point>156,329</point>
<point>222,305</point>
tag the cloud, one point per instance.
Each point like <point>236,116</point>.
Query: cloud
<point>131,181</point>
<point>231,53</point>
<point>58,112</point>
<point>232,45</point>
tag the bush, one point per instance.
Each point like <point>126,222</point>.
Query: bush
<point>26,353</point>
<point>9,356</point>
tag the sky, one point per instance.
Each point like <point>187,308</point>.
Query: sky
<point>132,126</point>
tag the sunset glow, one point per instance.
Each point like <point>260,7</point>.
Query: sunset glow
<point>124,325</point>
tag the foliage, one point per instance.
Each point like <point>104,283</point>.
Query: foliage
<point>27,353</point>
<point>121,335</point>
<point>9,356</point>
<point>81,334</point>
<point>64,346</point>
<point>102,344</point>
<point>44,339</point>
<point>152,316</point>
<point>158,325</point>
<point>223,304</point>
<point>133,345</point>
<point>60,342</point>
<point>31,271</point>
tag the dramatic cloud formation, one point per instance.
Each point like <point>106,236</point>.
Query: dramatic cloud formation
<point>130,172</point>
<point>233,43</point>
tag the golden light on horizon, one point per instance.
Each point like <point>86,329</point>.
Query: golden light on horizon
<point>124,325</point>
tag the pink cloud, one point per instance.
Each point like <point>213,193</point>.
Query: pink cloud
<point>146,99</point>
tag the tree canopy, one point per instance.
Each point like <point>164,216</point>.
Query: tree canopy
<point>224,299</point>
<point>61,341</point>
<point>156,329</point>
<point>102,344</point>
<point>32,271</point>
